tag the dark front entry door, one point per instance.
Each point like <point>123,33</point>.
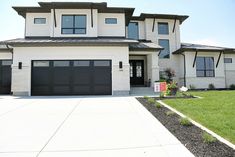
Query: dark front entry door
<point>72,77</point>
<point>137,72</point>
<point>5,76</point>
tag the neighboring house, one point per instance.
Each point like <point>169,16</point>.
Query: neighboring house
<point>83,48</point>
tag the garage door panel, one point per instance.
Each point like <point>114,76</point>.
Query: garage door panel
<point>82,76</point>
<point>45,90</point>
<point>82,89</point>
<point>41,76</point>
<point>61,90</point>
<point>102,76</point>
<point>61,76</point>
<point>101,90</point>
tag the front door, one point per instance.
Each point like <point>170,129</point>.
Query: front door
<point>137,72</point>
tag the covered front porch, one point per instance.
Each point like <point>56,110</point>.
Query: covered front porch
<point>144,68</point>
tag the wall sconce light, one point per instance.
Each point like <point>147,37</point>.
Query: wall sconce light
<point>120,65</point>
<point>20,65</point>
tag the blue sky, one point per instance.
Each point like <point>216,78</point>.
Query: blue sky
<point>211,21</point>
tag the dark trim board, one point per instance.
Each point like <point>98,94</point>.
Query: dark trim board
<point>91,79</point>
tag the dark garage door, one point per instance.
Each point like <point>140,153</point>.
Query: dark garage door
<point>77,77</point>
<point>5,76</point>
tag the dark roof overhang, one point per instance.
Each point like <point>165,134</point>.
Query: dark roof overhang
<point>45,7</point>
<point>143,16</point>
<point>30,42</point>
<point>145,46</point>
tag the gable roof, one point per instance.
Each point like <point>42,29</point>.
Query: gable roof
<point>143,16</point>
<point>204,48</point>
<point>45,7</point>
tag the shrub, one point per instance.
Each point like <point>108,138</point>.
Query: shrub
<point>151,100</point>
<point>170,113</point>
<point>211,86</point>
<point>170,73</point>
<point>158,105</point>
<point>162,95</point>
<point>192,87</point>
<point>185,121</point>
<point>146,97</point>
<point>207,138</point>
<point>172,88</point>
<point>232,87</point>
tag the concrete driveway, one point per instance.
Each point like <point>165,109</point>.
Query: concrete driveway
<point>84,127</point>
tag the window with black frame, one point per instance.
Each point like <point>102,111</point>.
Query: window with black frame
<point>165,53</point>
<point>205,67</point>
<point>73,24</point>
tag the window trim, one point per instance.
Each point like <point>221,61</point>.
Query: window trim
<point>205,69</point>
<point>167,28</point>
<point>231,59</point>
<point>111,18</point>
<point>73,28</point>
<point>37,18</point>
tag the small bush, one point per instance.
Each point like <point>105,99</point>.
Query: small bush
<point>170,113</point>
<point>158,105</point>
<point>146,97</point>
<point>162,95</point>
<point>151,100</point>
<point>185,121</point>
<point>207,138</point>
<point>192,87</point>
<point>232,87</point>
<point>211,86</point>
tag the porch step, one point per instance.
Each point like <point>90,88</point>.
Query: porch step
<point>143,91</point>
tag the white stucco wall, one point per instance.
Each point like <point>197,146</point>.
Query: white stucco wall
<point>203,82</point>
<point>230,70</point>
<point>5,55</point>
<point>21,78</point>
<point>111,29</point>
<point>37,29</point>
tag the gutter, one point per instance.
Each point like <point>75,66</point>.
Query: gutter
<point>184,69</point>
<point>10,49</point>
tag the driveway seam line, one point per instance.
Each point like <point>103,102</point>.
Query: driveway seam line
<point>58,128</point>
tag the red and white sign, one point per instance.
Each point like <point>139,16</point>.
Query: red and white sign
<point>160,87</point>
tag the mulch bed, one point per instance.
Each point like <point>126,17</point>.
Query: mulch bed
<point>190,136</point>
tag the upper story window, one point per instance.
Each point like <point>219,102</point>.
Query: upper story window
<point>163,28</point>
<point>133,30</point>
<point>228,60</point>
<point>73,24</point>
<point>165,53</point>
<point>205,67</point>
<point>110,20</point>
<point>39,20</point>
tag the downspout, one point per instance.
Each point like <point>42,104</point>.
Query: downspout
<point>184,70</point>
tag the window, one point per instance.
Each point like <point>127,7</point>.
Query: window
<point>133,30</point>
<point>228,60</point>
<point>61,63</point>
<point>73,24</point>
<point>205,67</point>
<point>163,28</point>
<point>165,53</point>
<point>110,20</point>
<point>101,63</point>
<point>41,63</point>
<point>39,20</point>
<point>81,63</point>
<point>7,62</point>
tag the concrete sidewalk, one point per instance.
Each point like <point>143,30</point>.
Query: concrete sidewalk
<point>84,127</point>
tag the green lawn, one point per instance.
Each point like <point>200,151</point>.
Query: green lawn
<point>216,111</point>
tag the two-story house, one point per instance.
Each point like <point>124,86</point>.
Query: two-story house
<point>83,48</point>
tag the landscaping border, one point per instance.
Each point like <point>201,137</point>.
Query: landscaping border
<point>190,135</point>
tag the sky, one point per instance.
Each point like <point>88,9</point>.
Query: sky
<point>210,22</point>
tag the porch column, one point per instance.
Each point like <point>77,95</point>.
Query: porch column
<point>152,66</point>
